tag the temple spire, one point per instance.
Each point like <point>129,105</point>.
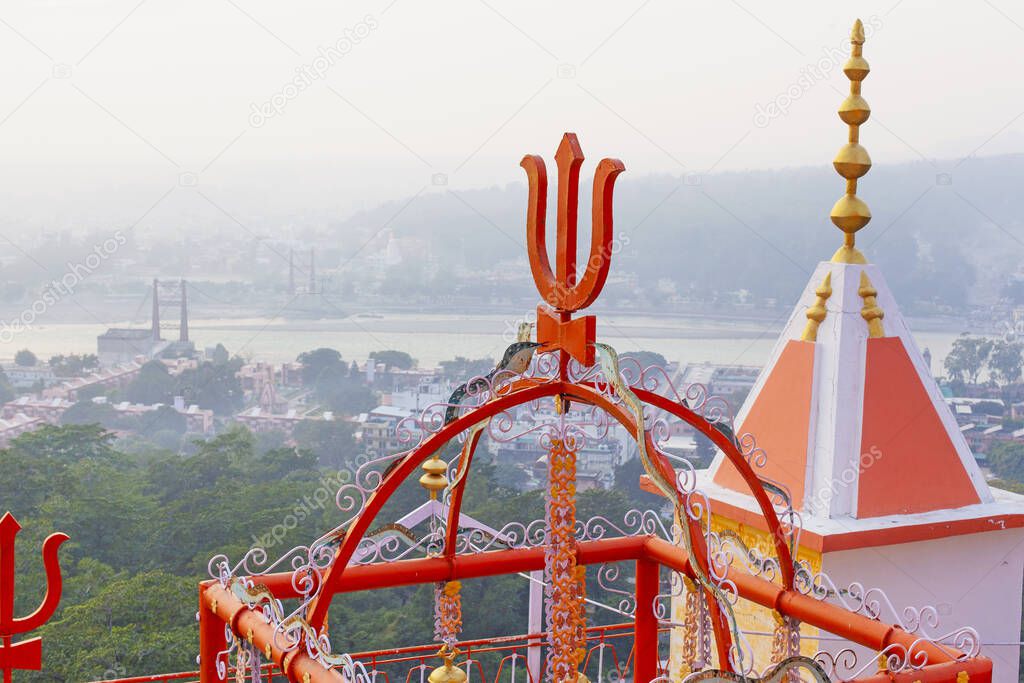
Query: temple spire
<point>850,213</point>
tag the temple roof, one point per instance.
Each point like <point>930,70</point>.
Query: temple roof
<point>851,421</point>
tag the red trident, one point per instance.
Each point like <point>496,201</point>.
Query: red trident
<point>27,654</point>
<point>564,295</point>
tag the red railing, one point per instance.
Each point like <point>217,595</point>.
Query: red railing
<point>502,659</point>
<point>271,674</point>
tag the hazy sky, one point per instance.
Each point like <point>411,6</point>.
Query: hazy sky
<point>106,104</point>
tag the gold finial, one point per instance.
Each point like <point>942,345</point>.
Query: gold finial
<point>871,312</point>
<point>816,313</point>
<point>434,480</point>
<point>850,214</point>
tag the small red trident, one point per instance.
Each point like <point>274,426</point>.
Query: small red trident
<point>562,292</point>
<point>27,654</point>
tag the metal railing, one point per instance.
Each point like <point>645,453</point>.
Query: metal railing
<point>501,659</point>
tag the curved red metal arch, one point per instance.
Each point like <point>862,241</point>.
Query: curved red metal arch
<point>778,536</point>
<point>520,392</point>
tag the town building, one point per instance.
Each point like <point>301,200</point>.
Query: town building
<point>48,410</point>
<point>16,425</point>
<point>29,376</point>
<point>105,378</point>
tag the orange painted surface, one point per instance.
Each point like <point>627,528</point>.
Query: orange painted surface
<point>915,467</point>
<point>780,420</point>
<point>869,538</point>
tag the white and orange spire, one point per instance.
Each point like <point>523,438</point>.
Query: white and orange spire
<point>846,410</point>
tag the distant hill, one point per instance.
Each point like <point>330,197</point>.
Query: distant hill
<point>944,232</point>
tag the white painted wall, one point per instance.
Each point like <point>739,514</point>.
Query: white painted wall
<point>972,580</point>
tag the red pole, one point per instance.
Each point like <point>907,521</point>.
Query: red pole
<point>211,639</point>
<point>645,630</point>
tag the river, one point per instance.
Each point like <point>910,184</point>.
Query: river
<point>431,338</point>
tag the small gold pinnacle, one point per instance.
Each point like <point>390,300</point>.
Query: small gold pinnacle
<point>872,312</point>
<point>816,313</point>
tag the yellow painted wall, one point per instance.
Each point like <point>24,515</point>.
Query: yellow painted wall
<point>751,617</point>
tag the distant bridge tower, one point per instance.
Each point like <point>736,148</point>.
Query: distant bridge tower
<point>291,272</point>
<point>170,295</point>
<point>183,326</point>
<point>312,270</point>
<point>156,310</point>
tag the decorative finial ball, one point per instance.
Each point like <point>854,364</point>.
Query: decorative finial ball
<point>854,110</point>
<point>856,68</point>
<point>434,479</point>
<point>447,672</point>
<point>850,214</point>
<point>852,161</point>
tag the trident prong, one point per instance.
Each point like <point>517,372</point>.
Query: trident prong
<point>562,289</point>
<point>25,655</point>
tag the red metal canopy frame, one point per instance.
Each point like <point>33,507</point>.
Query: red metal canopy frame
<point>240,609</point>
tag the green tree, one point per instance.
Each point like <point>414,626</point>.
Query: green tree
<point>211,386</point>
<point>394,359</point>
<point>332,441</point>
<point>461,369</point>
<point>1006,360</point>
<point>220,355</point>
<point>344,395</point>
<point>73,365</point>
<point>133,625</point>
<point>317,361</point>
<point>65,444</point>
<point>627,481</point>
<point>90,412</point>
<point>35,464</point>
<point>6,390</point>
<point>706,451</point>
<point>1006,458</point>
<point>25,358</point>
<point>163,419</point>
<point>967,358</point>
<point>153,384</point>
<point>91,391</point>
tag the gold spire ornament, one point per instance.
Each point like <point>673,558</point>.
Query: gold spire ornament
<point>816,313</point>
<point>850,213</point>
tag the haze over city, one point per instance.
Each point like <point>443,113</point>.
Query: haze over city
<point>317,366</point>
<point>107,104</point>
